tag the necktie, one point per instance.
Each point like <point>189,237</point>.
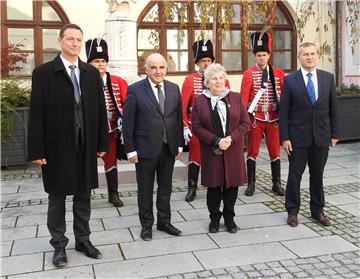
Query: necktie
<point>162,107</point>
<point>311,89</point>
<point>75,83</point>
<point>161,98</point>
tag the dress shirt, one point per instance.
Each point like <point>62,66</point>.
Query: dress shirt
<point>313,78</point>
<point>68,70</point>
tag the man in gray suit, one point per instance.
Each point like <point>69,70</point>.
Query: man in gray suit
<point>153,133</point>
<point>308,126</point>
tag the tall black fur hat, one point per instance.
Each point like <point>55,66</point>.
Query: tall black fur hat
<point>261,41</point>
<point>95,49</point>
<point>201,49</point>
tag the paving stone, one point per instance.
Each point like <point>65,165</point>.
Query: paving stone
<point>262,235</point>
<point>260,266</point>
<point>288,263</point>
<point>7,222</point>
<point>177,276</point>
<point>352,208</point>
<point>247,267</point>
<point>293,269</point>
<point>250,254</point>
<point>34,245</point>
<point>350,275</point>
<point>21,264</point>
<point>239,275</point>
<point>301,275</point>
<point>157,247</point>
<point>254,274</point>
<point>245,209</point>
<point>313,272</point>
<point>341,269</point>
<point>75,258</point>
<point>286,276</point>
<point>279,269</point>
<point>25,210</point>
<point>273,264</point>
<point>256,198</point>
<point>18,233</point>
<point>219,271</point>
<point>341,199</point>
<point>334,264</point>
<point>149,267</point>
<point>319,246</point>
<point>5,248</point>
<point>190,275</point>
<point>72,272</point>
<point>267,272</point>
<point>329,271</point>
<point>204,274</point>
<point>232,269</point>
<point>9,189</point>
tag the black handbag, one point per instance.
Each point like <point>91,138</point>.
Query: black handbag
<point>120,148</point>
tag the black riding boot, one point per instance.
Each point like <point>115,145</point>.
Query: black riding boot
<point>112,183</point>
<point>193,174</point>
<point>251,165</point>
<point>276,179</point>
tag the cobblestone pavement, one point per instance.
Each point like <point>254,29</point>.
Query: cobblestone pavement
<point>265,247</point>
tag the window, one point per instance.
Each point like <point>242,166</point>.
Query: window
<point>173,37</point>
<point>33,26</point>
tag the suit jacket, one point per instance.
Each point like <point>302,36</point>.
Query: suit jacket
<point>51,132</point>
<point>143,122</point>
<point>300,121</point>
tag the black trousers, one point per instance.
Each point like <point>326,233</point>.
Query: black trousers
<point>81,209</point>
<point>316,159</point>
<point>214,196</point>
<point>146,169</point>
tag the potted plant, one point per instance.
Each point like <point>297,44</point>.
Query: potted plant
<point>349,112</point>
<point>15,99</point>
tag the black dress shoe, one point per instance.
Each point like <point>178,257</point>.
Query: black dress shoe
<point>88,249</point>
<point>231,227</point>
<point>170,229</point>
<point>115,200</point>
<point>214,226</point>
<point>146,234</point>
<point>59,258</point>
<point>321,218</point>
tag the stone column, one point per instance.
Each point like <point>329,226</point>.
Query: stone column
<point>120,35</point>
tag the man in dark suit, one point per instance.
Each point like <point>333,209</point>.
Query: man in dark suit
<point>67,131</point>
<point>152,129</point>
<point>308,126</point>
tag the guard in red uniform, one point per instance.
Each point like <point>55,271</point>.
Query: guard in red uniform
<point>115,89</point>
<point>193,86</point>
<point>261,90</point>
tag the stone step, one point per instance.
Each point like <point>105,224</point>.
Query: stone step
<point>126,172</point>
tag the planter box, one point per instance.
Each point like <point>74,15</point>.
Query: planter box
<point>14,151</point>
<point>349,117</point>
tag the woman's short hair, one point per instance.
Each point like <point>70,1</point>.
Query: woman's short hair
<point>212,70</point>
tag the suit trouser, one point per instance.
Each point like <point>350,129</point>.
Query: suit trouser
<point>213,200</point>
<point>316,158</point>
<point>81,209</point>
<point>146,168</point>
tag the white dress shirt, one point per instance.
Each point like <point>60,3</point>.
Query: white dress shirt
<point>313,78</point>
<point>68,70</point>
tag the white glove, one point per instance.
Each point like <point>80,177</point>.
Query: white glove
<point>187,135</point>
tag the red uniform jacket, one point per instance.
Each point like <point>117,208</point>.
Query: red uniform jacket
<point>267,107</point>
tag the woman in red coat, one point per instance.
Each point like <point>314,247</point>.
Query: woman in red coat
<point>220,121</point>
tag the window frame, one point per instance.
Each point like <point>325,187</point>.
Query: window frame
<point>37,24</point>
<point>191,26</point>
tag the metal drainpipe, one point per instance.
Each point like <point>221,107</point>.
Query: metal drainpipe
<point>338,61</point>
